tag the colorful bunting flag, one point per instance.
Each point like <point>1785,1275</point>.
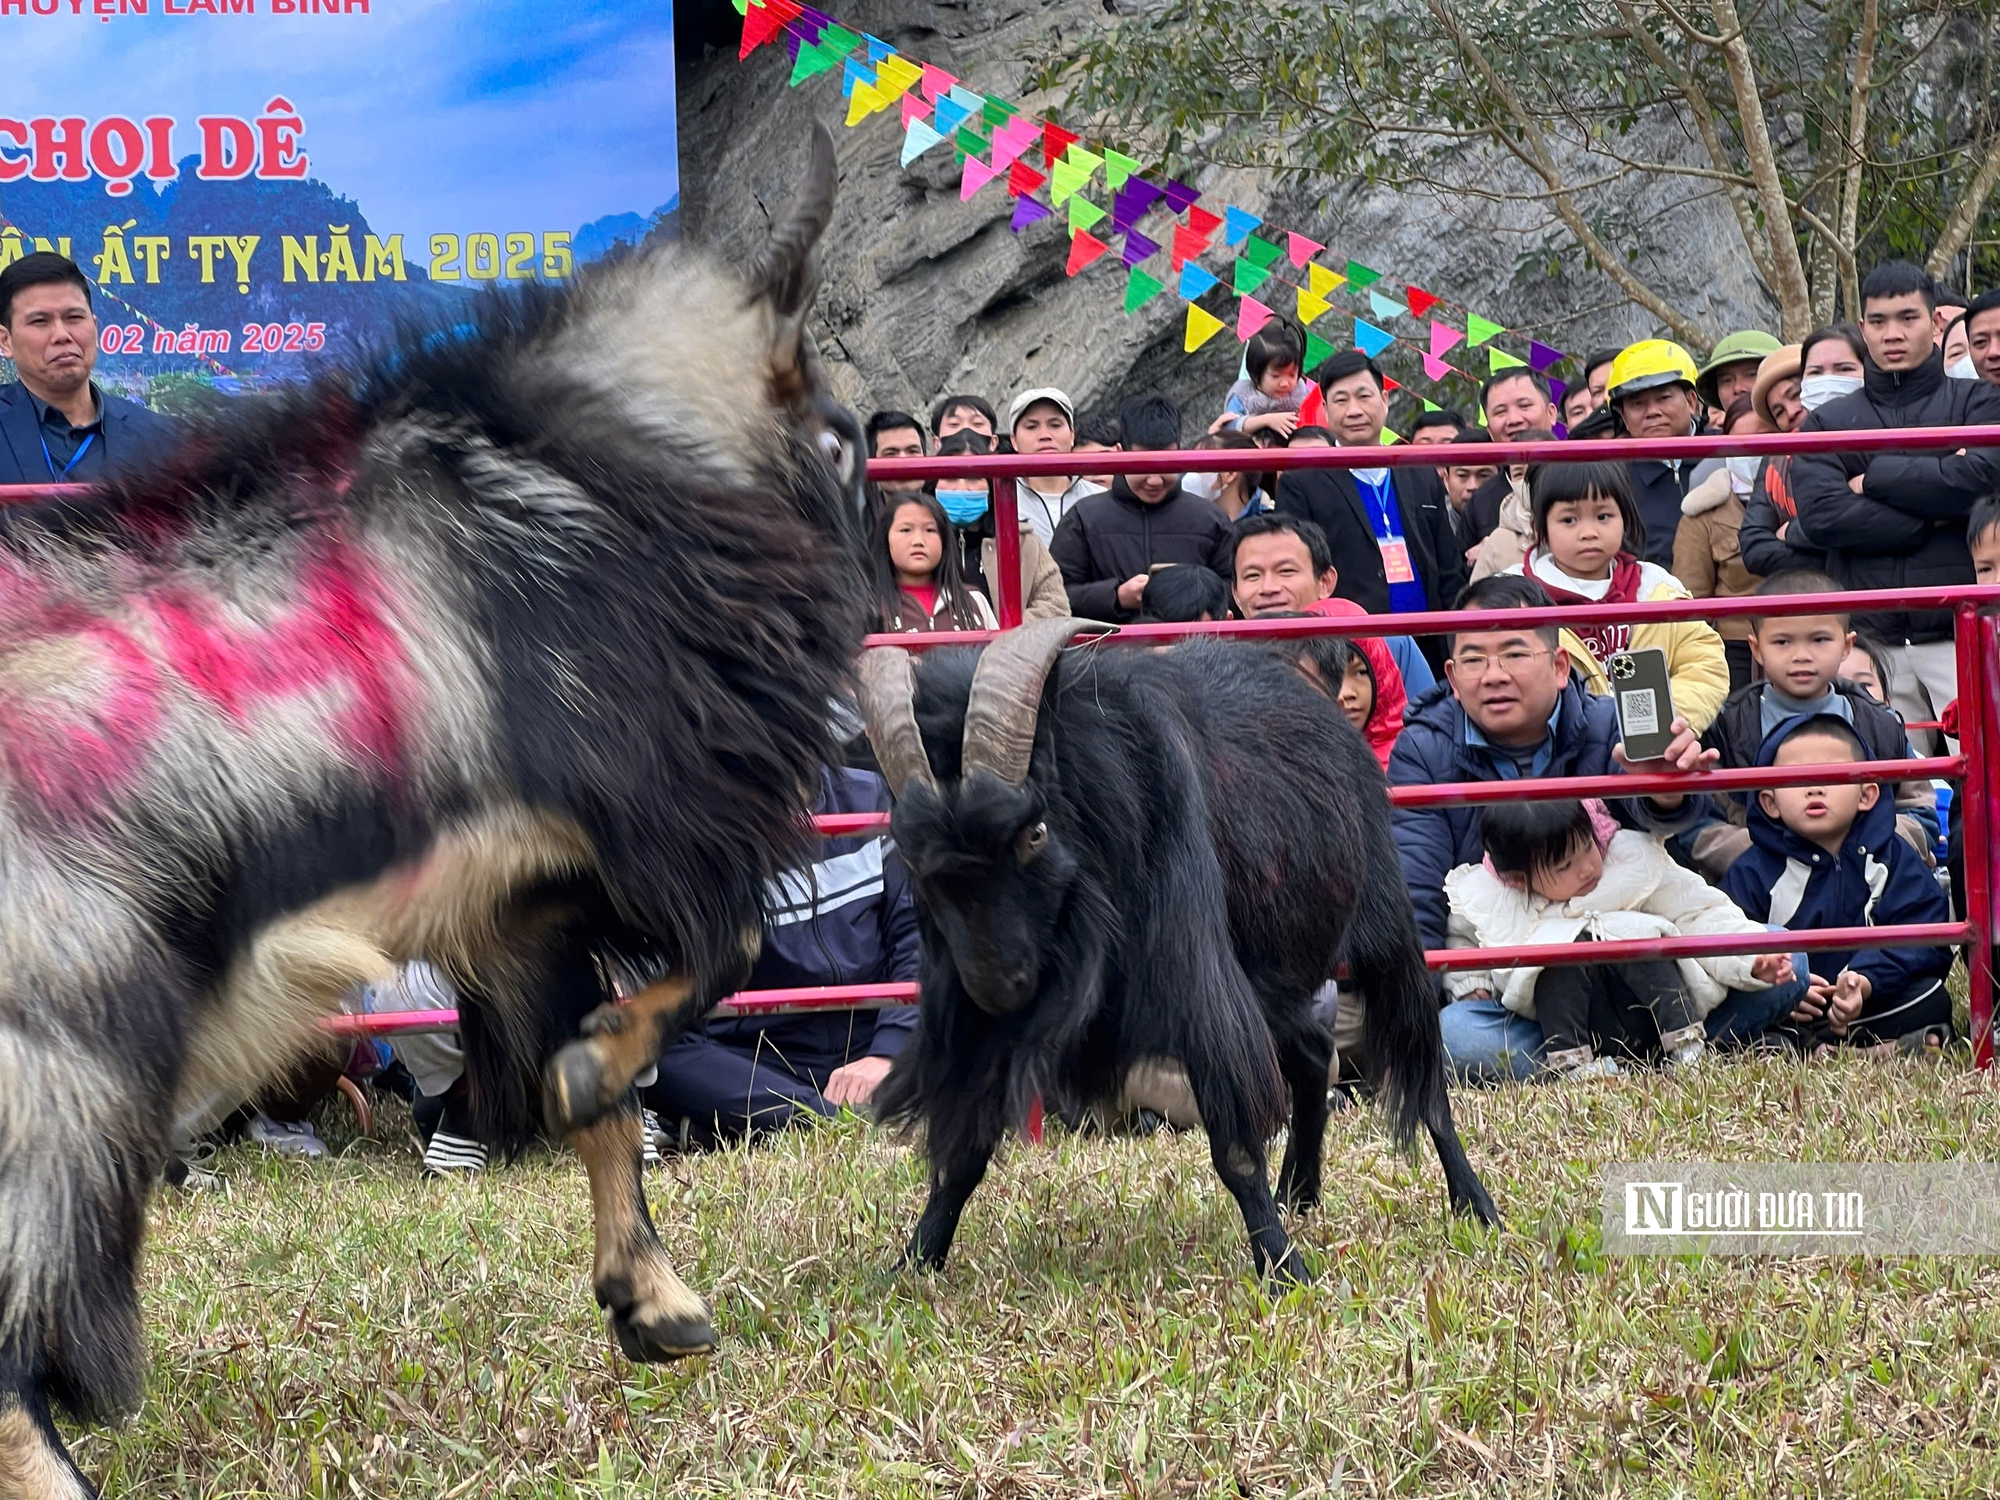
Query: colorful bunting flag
<point>1201,327</point>
<point>1435,368</point>
<point>864,101</point>
<point>965,99</point>
<point>1143,193</point>
<point>1430,405</point>
<point>1180,197</point>
<point>1138,247</point>
<point>1311,307</point>
<point>1194,281</point>
<point>1360,277</point>
<point>1318,351</point>
<point>1556,389</point>
<point>895,76</point>
<point>1084,247</point>
<point>1202,222</point>
<point>1300,248</point>
<point>1022,178</point>
<point>1258,252</point>
<point>1065,177</point>
<point>1026,211</point>
<point>1369,339</point>
<point>917,139</point>
<point>1384,307</point>
<point>1443,339</point>
<point>914,108</point>
<point>996,111</point>
<point>1541,356</point>
<point>1421,301</point>
<point>1498,359</point>
<point>1117,167</point>
<point>1247,277</point>
<point>1187,245</point>
<point>969,141</point>
<point>760,24</point>
<point>1124,211</point>
<point>1141,289</point>
<point>1055,141</point>
<point>1238,225</point>
<point>1083,213</point>
<point>877,48</point>
<point>977,175</point>
<point>1008,142</point>
<point>1251,315</point>
<point>838,41</point>
<point>851,73</point>
<point>949,115</point>
<point>1388,385</point>
<point>810,62</point>
<point>937,83</point>
<point>1322,281</point>
<point>1089,160</point>
<point>1478,330</point>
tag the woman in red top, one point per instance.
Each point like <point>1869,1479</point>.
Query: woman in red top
<point>918,582</point>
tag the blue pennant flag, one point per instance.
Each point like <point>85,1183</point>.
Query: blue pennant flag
<point>1194,281</point>
<point>852,73</point>
<point>950,114</point>
<point>1369,339</point>
<point>1236,225</point>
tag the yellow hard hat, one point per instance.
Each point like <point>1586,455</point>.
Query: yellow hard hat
<point>1646,364</point>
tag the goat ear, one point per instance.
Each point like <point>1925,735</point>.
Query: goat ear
<point>785,275</point>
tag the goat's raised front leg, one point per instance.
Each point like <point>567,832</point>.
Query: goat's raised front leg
<point>619,1042</point>
<point>33,1462</point>
<point>653,1314</point>
<point>952,1183</point>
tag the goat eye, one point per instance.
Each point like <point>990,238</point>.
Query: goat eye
<point>1033,840</point>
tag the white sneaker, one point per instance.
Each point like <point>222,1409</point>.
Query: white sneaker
<point>449,1154</point>
<point>1597,1067</point>
<point>1686,1055</point>
<point>197,1166</point>
<point>652,1136</point>
<point>286,1137</point>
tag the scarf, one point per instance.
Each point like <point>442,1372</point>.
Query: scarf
<point>1601,640</point>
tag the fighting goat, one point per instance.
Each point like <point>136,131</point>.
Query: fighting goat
<point>1145,855</point>
<point>514,648</point>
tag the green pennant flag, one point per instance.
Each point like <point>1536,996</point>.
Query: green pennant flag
<point>811,60</point>
<point>1318,350</point>
<point>1082,213</point>
<point>837,41</point>
<point>1430,405</point>
<point>1260,252</point>
<point>1065,178</point>
<point>1478,330</point>
<point>1139,288</point>
<point>1249,276</point>
<point>997,111</point>
<point>1360,277</point>
<point>1498,359</point>
<point>1117,167</point>
<point>742,7</point>
<point>970,141</point>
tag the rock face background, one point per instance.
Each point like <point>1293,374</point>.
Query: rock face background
<point>923,294</point>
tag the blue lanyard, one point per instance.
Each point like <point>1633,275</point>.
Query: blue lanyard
<point>74,459</point>
<point>1378,498</point>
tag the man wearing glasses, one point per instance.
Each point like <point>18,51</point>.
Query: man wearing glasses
<point>1509,711</point>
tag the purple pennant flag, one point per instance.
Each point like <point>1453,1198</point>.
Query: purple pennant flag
<point>1145,194</point>
<point>1180,197</point>
<point>1125,210</point>
<point>1138,247</point>
<point>793,41</point>
<point>1026,211</point>
<point>1541,356</point>
<point>819,20</point>
<point>1556,389</point>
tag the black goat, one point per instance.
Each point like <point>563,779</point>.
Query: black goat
<point>1146,855</point>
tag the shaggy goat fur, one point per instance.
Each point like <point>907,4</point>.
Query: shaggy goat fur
<point>1200,836</point>
<point>520,641</point>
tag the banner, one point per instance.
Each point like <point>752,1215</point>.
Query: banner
<point>259,187</point>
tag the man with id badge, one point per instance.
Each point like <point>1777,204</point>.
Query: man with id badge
<point>1390,529</point>
<point>56,426</point>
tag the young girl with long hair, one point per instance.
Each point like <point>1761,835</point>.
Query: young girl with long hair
<point>918,581</point>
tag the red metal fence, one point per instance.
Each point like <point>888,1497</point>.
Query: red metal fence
<point>1978,671</point>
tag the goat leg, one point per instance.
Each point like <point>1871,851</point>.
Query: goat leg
<point>1467,1192</point>
<point>33,1463</point>
<point>1306,1060</point>
<point>583,1081</point>
<point>951,1185</point>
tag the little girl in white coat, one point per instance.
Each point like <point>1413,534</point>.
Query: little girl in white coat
<point>1564,872</point>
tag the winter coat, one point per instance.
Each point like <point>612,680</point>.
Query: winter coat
<point>1658,488</point>
<point>1433,749</point>
<point>1770,507</point>
<point>1877,880</point>
<point>1510,537</point>
<point>1642,894</point>
<point>1697,670</point>
<point>1708,553</point>
<point>1385,720</point>
<point>1114,535</point>
<point>845,919</point>
<point>1043,596</point>
<point>910,616</point>
<point>1906,529</point>
<point>1044,513</point>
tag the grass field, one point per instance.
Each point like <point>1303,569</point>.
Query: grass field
<point>347,1328</point>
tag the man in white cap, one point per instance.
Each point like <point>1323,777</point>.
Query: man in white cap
<point>1043,420</point>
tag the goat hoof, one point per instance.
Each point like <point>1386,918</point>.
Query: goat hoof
<point>659,1340</point>
<point>1291,1271</point>
<point>576,1089</point>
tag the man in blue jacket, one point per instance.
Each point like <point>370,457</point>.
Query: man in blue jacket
<point>55,424</point>
<point>845,919</point>
<point>1829,856</point>
<point>1508,710</point>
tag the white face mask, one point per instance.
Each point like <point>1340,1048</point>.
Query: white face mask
<point>1816,390</point>
<point>1963,370</point>
<point>1742,473</point>
<point>1208,486</point>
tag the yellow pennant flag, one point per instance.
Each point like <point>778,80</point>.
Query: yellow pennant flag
<point>864,101</point>
<point>894,76</point>
<point>1201,327</point>
<point>1323,281</point>
<point>1310,306</point>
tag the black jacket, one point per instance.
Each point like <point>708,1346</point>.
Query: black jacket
<point>1482,508</point>
<point>1906,529</point>
<point>1658,489</point>
<point>133,437</point>
<point>1112,536</point>
<point>1332,499</point>
<point>1757,538</point>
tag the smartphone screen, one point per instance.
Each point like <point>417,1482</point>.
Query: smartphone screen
<point>1645,701</point>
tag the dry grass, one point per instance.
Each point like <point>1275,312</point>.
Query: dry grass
<point>349,1329</point>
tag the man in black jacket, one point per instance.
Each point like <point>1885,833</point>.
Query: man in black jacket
<point>1390,529</point>
<point>1897,520</point>
<point>55,424</point>
<point>1109,543</point>
<point>1513,402</point>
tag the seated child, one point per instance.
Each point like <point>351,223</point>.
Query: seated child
<point>1273,396</point>
<point>1867,665</point>
<point>1801,657</point>
<point>1828,856</point>
<point>1587,543</point>
<point>1561,872</point>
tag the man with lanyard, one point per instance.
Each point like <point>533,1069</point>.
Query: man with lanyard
<point>55,424</point>
<point>1390,529</point>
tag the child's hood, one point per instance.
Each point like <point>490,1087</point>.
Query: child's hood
<point>1872,828</point>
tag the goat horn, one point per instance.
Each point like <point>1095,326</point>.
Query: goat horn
<point>889,710</point>
<point>784,271</point>
<point>1007,692</point>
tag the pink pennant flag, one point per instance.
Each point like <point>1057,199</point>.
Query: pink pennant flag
<point>936,82</point>
<point>913,109</point>
<point>1250,317</point>
<point>1014,137</point>
<point>977,175</point>
<point>1443,337</point>
<point>1300,248</point>
<point>1435,368</point>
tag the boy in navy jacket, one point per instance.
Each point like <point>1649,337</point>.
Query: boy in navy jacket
<point>1828,856</point>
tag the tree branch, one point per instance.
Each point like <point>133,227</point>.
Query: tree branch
<point>1794,298</point>
<point>1860,83</point>
<point>1965,213</point>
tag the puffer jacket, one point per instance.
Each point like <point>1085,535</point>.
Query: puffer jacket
<point>1385,720</point>
<point>1769,510</point>
<point>1512,534</point>
<point>1906,529</point>
<point>1642,894</point>
<point>1114,535</point>
<point>1708,555</point>
<point>1697,670</point>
